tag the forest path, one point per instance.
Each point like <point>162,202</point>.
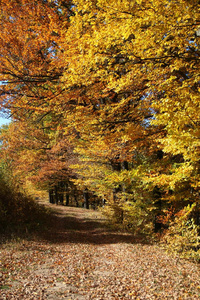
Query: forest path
<point>79,258</point>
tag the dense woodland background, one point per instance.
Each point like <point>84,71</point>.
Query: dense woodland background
<point>105,104</point>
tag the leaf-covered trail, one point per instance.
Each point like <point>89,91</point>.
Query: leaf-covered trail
<point>80,259</point>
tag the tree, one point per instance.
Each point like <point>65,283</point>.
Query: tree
<point>136,63</point>
<point>31,55</point>
<point>119,83</point>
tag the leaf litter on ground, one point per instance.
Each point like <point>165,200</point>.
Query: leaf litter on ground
<point>79,258</point>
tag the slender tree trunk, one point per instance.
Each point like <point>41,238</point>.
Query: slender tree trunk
<point>75,199</point>
<point>61,192</point>
<point>66,188</point>
<point>56,194</point>
<point>67,199</point>
<point>51,198</point>
<point>86,198</point>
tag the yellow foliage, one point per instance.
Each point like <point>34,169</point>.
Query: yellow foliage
<point>182,236</point>
<point>112,82</point>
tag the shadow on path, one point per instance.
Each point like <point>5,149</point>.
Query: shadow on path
<point>77,225</point>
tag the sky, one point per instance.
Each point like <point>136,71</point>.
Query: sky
<point>4,121</point>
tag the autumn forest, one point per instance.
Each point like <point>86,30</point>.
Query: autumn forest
<point>104,98</point>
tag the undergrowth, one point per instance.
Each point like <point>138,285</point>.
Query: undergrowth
<point>20,215</point>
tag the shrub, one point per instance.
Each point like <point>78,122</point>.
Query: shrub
<point>182,236</point>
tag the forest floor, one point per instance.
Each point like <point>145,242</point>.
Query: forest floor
<point>80,258</point>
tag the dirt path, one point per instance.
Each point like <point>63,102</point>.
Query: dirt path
<point>81,259</point>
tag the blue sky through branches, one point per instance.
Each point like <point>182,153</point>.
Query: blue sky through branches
<point>4,121</point>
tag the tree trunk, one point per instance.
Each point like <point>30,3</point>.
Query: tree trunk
<point>56,194</point>
<point>75,198</point>
<point>86,198</point>
<point>51,198</point>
